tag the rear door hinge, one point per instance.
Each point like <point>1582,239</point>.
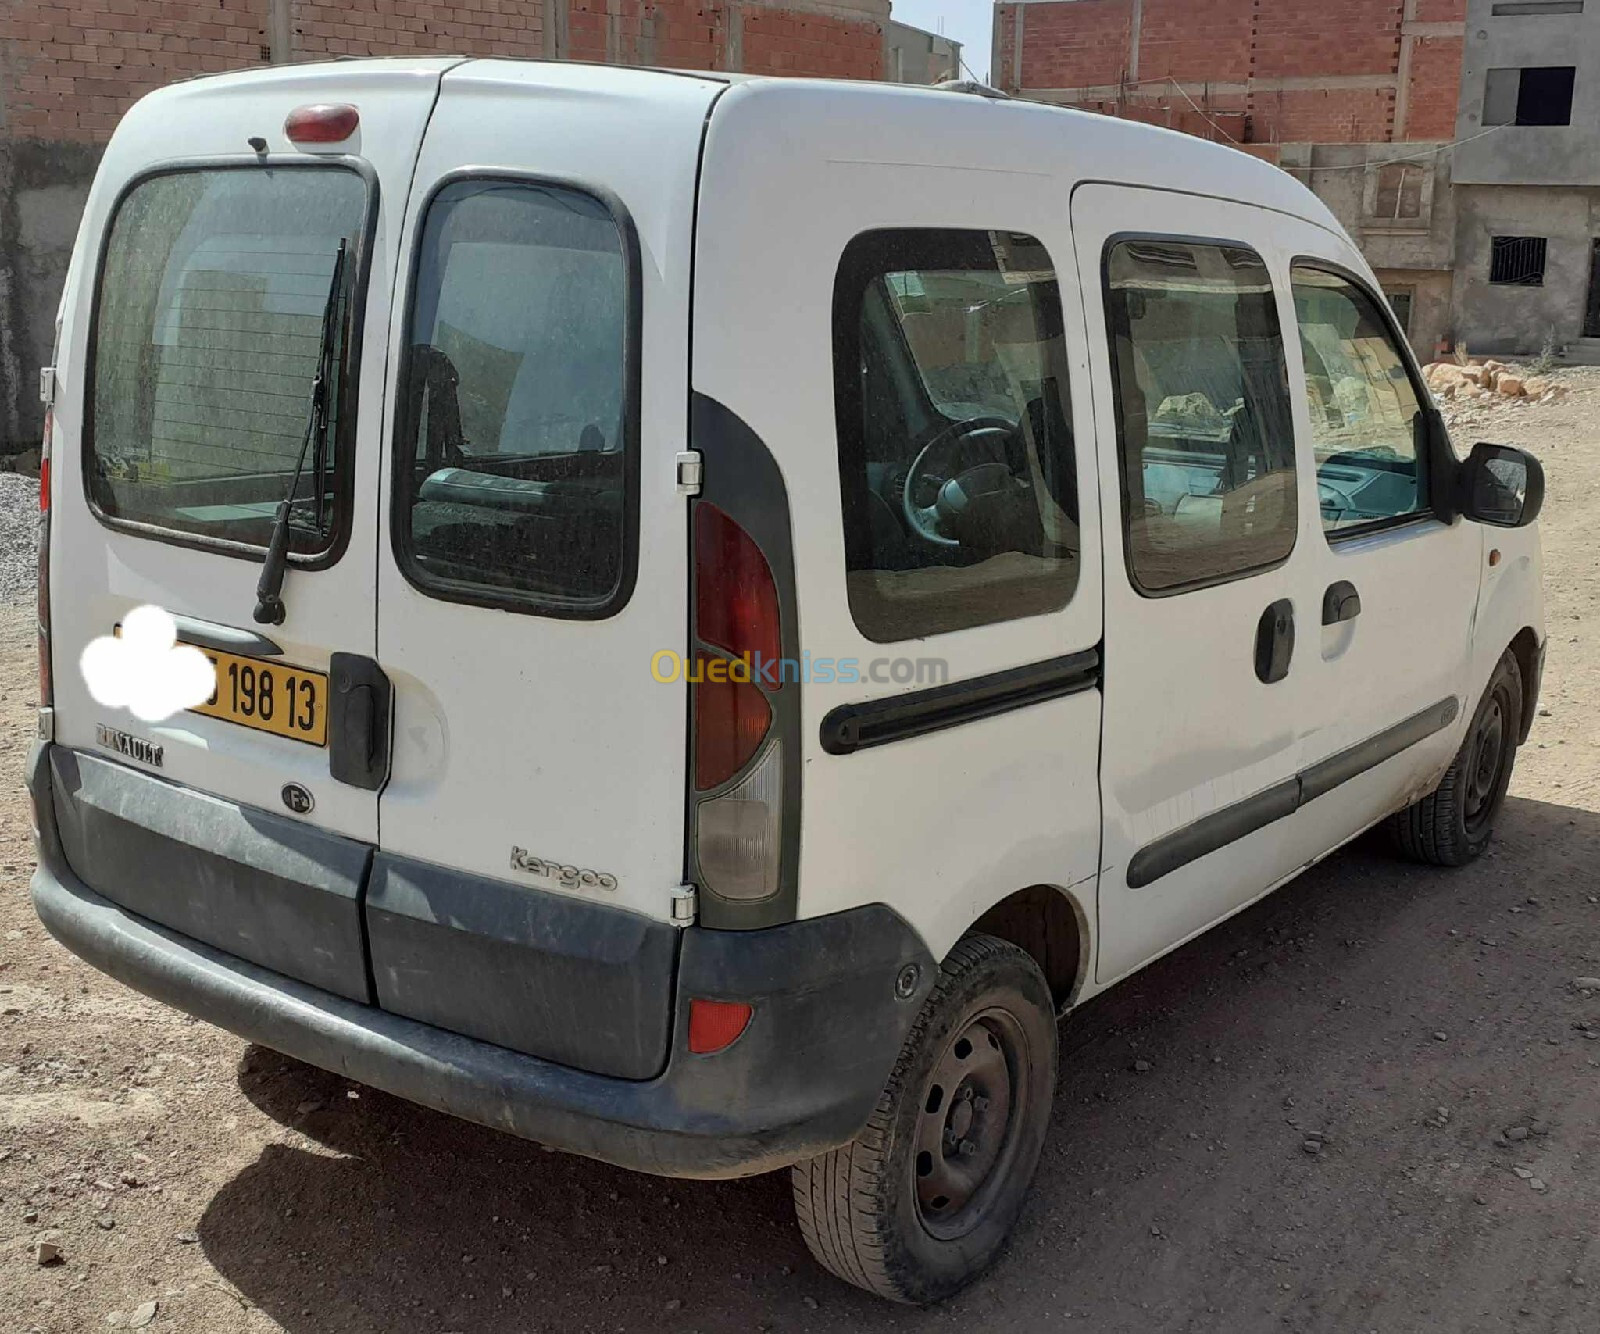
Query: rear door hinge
<point>47,386</point>
<point>685,905</point>
<point>691,469</point>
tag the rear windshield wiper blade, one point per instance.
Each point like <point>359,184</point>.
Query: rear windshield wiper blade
<point>269,588</point>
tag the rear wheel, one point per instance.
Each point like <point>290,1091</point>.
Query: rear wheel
<point>922,1201</point>
<point>1453,823</point>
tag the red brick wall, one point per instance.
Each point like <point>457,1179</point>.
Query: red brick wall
<point>1292,53</point>
<point>1347,116</point>
<point>1195,39</point>
<point>1300,38</point>
<point>1434,87</point>
<point>404,27</point>
<point>791,41</point>
<point>1077,44</point>
<point>70,70</point>
<point>67,72</point>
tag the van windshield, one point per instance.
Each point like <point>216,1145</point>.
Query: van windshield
<point>207,334</point>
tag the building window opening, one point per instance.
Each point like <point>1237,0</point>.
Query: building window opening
<point>1538,95</point>
<point>1517,261</point>
<point>1399,192</point>
<point>1512,9</point>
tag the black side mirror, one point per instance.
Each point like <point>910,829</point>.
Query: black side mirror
<point>1500,485</point>
<point>1433,444</point>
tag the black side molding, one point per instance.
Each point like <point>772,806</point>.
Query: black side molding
<point>1215,831</point>
<point>853,727</point>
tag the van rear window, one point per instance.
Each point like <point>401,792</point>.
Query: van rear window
<point>207,337</point>
<point>516,457</point>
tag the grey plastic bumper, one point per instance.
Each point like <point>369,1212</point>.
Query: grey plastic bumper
<point>803,1077</point>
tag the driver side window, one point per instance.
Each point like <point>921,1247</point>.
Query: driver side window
<point>1366,416</point>
<point>956,464</point>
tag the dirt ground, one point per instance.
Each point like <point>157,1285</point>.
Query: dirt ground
<point>1411,1016</point>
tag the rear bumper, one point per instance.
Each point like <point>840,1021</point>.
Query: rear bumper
<point>803,1078</point>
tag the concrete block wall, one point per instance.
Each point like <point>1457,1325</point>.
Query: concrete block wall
<point>69,71</point>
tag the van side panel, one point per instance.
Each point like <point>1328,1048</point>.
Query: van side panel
<point>944,824</point>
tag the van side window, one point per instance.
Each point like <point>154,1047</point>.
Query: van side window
<point>1207,438</point>
<point>515,483</point>
<point>1366,417</point>
<point>956,464</point>
<point>207,334</point>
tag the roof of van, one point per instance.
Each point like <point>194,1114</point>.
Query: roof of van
<point>897,123</point>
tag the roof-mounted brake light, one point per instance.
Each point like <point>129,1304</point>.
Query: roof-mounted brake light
<point>322,123</point>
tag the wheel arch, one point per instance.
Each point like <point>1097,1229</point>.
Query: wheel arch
<point>1052,925</point>
<point>1524,648</point>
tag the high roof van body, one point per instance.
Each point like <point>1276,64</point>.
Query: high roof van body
<point>734,603</point>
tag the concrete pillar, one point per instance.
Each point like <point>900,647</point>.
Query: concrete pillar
<point>280,31</point>
<point>555,29</point>
<point>733,53</point>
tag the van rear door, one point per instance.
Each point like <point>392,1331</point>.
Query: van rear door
<point>210,253</point>
<point>536,559</point>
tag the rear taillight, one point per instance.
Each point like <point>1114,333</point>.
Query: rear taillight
<point>736,601</point>
<point>714,1025</point>
<point>46,689</point>
<point>738,764</point>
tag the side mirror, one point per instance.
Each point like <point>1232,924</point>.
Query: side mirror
<point>1500,485</point>
<point>1433,444</point>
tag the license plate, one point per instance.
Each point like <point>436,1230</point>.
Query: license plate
<point>269,697</point>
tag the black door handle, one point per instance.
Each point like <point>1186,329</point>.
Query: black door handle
<point>1340,603</point>
<point>1275,642</point>
<point>359,721</point>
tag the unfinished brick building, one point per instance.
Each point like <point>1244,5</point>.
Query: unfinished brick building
<point>1353,96</point>
<point>69,70</point>
<point>1458,140</point>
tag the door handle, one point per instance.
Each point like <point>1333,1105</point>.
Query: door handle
<point>1275,642</point>
<point>1340,603</point>
<point>359,721</point>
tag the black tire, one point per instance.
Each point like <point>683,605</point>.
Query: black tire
<point>864,1209</point>
<point>1453,823</point>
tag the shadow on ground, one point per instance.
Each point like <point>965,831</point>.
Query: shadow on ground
<point>1356,1002</point>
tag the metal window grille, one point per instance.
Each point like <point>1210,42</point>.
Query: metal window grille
<point>1517,261</point>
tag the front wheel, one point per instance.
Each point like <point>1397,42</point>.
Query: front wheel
<point>1452,824</point>
<point>923,1200</point>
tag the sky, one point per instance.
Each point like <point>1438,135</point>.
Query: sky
<point>970,22</point>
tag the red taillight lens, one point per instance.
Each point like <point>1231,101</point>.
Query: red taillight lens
<point>736,599</point>
<point>730,719</point>
<point>714,1025</point>
<point>46,688</point>
<point>322,123</point>
<point>44,461</point>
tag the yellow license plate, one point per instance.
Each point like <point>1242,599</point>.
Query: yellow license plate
<point>269,697</point>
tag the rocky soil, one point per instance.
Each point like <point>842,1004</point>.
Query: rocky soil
<point>1372,1102</point>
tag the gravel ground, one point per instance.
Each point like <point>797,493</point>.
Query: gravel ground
<point>1425,1024</point>
<point>19,536</point>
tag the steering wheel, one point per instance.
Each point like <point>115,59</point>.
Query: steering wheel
<point>1331,498</point>
<point>958,492</point>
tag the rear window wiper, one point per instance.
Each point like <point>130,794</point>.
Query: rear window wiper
<point>269,589</point>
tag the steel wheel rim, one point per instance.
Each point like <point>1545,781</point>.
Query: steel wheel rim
<point>968,1122</point>
<point>1486,763</point>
